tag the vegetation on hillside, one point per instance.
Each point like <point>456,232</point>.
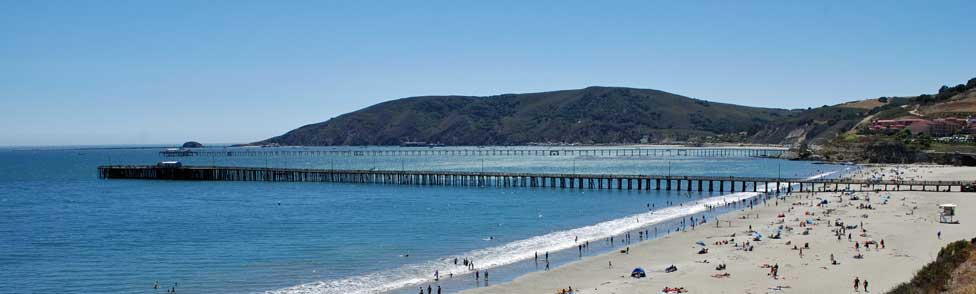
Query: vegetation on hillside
<point>938,276</point>
<point>595,115</point>
<point>611,115</point>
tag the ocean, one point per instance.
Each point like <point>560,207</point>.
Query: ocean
<point>64,230</point>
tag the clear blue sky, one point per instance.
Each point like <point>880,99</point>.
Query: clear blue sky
<point>146,72</point>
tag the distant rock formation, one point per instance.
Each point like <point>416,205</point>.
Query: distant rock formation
<point>192,144</point>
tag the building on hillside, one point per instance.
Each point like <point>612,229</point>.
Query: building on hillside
<point>891,126</point>
<point>945,127</point>
<point>920,127</point>
<point>941,127</point>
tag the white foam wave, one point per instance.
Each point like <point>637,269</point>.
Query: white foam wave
<point>516,251</point>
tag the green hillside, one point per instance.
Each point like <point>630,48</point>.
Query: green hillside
<point>611,115</point>
<point>592,115</point>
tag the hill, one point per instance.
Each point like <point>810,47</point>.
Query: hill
<point>593,115</point>
<point>612,115</point>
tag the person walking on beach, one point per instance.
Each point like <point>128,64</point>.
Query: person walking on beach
<point>429,290</point>
<point>939,235</point>
<point>609,264</point>
<point>486,275</point>
<point>477,275</point>
<point>857,283</point>
<point>865,285</point>
<point>547,265</point>
<point>421,290</point>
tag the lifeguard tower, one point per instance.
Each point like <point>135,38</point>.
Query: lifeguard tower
<point>947,214</point>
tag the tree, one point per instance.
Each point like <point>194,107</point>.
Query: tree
<point>903,134</point>
<point>943,88</point>
<point>971,83</point>
<point>924,140</point>
<point>883,99</point>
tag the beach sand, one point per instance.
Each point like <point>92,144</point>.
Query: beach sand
<point>911,241</point>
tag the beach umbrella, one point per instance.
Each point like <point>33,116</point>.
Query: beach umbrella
<point>638,273</point>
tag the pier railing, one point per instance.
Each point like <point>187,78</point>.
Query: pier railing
<point>594,152</point>
<point>509,179</point>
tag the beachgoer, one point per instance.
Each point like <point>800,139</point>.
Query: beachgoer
<point>865,285</point>
<point>857,283</point>
<point>486,275</point>
<point>547,265</point>
<point>610,264</point>
<point>939,235</point>
<point>438,289</point>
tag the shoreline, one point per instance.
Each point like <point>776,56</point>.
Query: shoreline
<point>911,243</point>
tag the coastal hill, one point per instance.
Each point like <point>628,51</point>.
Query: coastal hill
<point>609,115</point>
<point>593,115</point>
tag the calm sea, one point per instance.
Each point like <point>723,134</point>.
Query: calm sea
<point>64,230</point>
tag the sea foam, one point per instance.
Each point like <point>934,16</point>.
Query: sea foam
<point>414,274</point>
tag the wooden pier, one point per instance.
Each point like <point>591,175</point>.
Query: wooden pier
<point>540,180</point>
<point>397,152</point>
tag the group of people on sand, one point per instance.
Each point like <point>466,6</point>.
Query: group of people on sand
<point>858,283</point>
<point>430,290</point>
<point>773,270</point>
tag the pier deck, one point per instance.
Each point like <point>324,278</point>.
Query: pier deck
<point>505,179</point>
<point>594,152</point>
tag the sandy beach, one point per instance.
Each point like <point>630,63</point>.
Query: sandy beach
<point>907,222</point>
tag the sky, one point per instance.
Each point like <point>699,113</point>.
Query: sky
<point>165,72</point>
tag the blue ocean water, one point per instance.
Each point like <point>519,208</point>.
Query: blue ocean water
<point>64,230</point>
